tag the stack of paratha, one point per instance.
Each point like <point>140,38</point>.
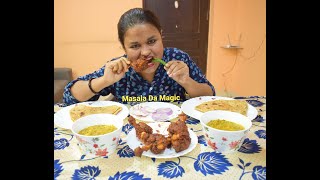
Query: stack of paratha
<point>82,110</point>
<point>238,106</point>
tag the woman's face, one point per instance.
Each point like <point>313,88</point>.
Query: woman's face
<point>143,41</point>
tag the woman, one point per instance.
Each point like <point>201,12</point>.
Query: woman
<point>139,33</point>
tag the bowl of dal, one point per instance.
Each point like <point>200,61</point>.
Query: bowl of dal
<point>98,134</point>
<point>225,131</point>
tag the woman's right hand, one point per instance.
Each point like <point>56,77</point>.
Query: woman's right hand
<point>115,70</point>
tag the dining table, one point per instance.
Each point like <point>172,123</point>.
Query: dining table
<point>203,162</point>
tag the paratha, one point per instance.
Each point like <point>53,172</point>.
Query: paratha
<point>82,110</point>
<point>238,106</point>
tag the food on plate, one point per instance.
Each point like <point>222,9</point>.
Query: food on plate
<point>225,125</point>
<point>81,110</point>
<point>159,117</point>
<point>166,111</point>
<point>178,137</point>
<point>160,114</point>
<point>182,117</point>
<point>140,65</point>
<point>140,127</point>
<point>154,142</point>
<point>179,134</point>
<point>143,111</point>
<point>238,106</point>
<point>97,130</point>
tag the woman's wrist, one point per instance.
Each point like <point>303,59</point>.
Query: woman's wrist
<point>97,84</point>
<point>188,82</point>
<point>90,87</point>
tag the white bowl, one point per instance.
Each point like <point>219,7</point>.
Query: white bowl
<point>101,145</point>
<point>221,140</point>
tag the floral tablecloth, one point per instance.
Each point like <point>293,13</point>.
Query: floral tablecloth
<point>201,163</point>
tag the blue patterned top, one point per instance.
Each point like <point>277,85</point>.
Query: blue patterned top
<point>133,85</point>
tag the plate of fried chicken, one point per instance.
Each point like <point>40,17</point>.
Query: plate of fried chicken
<point>161,139</point>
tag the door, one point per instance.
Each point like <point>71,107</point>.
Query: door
<point>185,25</point>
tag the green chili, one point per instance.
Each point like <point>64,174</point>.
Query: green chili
<point>159,60</point>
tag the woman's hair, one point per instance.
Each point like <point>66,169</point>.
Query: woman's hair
<point>133,17</point>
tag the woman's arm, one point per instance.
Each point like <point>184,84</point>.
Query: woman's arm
<point>79,90</point>
<point>195,89</point>
<point>179,71</point>
<point>185,72</point>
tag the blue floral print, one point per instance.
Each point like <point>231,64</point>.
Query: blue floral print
<point>192,121</point>
<point>86,173</point>
<point>250,146</point>
<point>125,152</point>
<point>255,103</point>
<point>127,128</point>
<point>261,134</point>
<point>57,168</point>
<point>170,169</point>
<point>259,118</point>
<point>259,172</point>
<point>202,140</point>
<point>128,175</point>
<point>60,143</point>
<point>211,163</point>
<point>133,85</point>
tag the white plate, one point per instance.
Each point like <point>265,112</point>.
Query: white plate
<point>155,105</point>
<point>62,117</point>
<point>188,107</point>
<point>134,142</point>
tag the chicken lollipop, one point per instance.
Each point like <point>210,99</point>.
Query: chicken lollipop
<point>142,129</point>
<point>140,65</point>
<point>156,143</point>
<point>179,135</point>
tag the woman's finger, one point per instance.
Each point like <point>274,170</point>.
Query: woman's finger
<point>124,65</point>
<point>126,60</point>
<point>179,71</point>
<point>120,65</point>
<point>177,68</point>
<point>173,67</point>
<point>115,67</point>
<point>167,66</point>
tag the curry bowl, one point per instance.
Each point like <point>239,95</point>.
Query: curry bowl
<point>225,141</point>
<point>103,144</point>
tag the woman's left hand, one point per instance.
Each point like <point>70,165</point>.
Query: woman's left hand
<point>177,70</point>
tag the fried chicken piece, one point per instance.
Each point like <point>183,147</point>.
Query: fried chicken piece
<point>156,143</point>
<point>182,117</point>
<point>140,65</point>
<point>138,151</point>
<point>140,127</point>
<point>179,134</point>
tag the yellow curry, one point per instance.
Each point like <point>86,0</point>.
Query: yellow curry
<point>225,125</point>
<point>97,130</point>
